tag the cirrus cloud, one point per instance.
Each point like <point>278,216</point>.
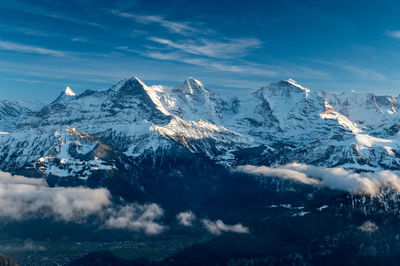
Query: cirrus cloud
<point>175,27</point>
<point>212,48</point>
<point>18,47</point>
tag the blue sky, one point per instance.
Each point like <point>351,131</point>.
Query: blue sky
<point>232,46</point>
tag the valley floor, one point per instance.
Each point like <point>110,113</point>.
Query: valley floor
<point>62,252</point>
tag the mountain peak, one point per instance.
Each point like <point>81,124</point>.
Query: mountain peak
<point>191,86</point>
<point>65,96</point>
<point>285,88</point>
<point>292,82</point>
<point>194,82</point>
<point>131,86</point>
<point>69,92</point>
<point>137,80</point>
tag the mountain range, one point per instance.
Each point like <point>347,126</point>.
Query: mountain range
<point>115,129</point>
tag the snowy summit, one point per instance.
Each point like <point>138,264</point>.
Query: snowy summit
<point>69,92</point>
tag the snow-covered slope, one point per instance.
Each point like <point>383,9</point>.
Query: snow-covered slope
<point>67,95</point>
<point>278,123</point>
<point>11,111</point>
<point>367,110</point>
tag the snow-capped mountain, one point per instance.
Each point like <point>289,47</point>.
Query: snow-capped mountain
<point>367,110</point>
<point>74,135</point>
<point>11,111</point>
<point>67,95</point>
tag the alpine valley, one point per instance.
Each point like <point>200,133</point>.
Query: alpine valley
<point>283,175</point>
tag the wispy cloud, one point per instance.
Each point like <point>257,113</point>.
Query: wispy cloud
<point>53,71</point>
<point>335,178</point>
<point>228,48</point>
<point>31,81</point>
<point>186,218</point>
<point>363,72</point>
<point>41,33</point>
<point>127,49</point>
<point>281,172</point>
<point>43,10</point>
<point>236,66</point>
<point>176,27</point>
<point>28,31</point>
<point>18,47</point>
<point>218,227</point>
<point>209,64</point>
<point>79,39</point>
<point>66,18</point>
<point>393,33</point>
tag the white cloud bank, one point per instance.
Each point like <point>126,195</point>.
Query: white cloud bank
<point>24,198</point>
<point>335,178</point>
<point>186,218</point>
<point>218,227</point>
<point>137,217</point>
<point>279,171</point>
